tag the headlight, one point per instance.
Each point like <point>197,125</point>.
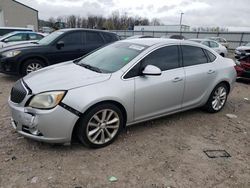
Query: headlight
<point>47,100</point>
<point>11,53</point>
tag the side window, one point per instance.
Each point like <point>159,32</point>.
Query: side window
<point>135,71</point>
<point>213,44</point>
<point>193,56</point>
<point>109,37</point>
<point>206,43</point>
<point>17,37</point>
<point>72,39</point>
<point>165,58</point>
<point>33,36</point>
<point>211,56</point>
<point>93,38</point>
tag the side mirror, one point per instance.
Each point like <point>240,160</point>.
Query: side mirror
<point>151,70</point>
<point>60,44</point>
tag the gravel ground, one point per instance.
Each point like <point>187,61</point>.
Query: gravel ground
<point>166,152</point>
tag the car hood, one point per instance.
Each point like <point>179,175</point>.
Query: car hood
<point>243,48</point>
<point>63,76</point>
<point>20,46</point>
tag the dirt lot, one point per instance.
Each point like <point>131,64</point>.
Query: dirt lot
<point>167,152</point>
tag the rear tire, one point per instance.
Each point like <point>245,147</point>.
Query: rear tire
<point>217,99</point>
<point>31,65</point>
<point>100,126</point>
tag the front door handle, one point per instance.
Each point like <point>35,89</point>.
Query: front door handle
<point>211,71</point>
<point>177,79</point>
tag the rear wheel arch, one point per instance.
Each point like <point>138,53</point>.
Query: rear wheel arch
<point>227,84</point>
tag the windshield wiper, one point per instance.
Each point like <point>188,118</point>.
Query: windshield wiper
<point>87,66</point>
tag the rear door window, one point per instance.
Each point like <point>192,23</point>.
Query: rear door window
<point>193,55</point>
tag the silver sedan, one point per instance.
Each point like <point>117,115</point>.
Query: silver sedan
<point>124,83</point>
<point>220,49</point>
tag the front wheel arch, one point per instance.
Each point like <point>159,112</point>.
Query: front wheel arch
<point>46,63</point>
<point>117,104</point>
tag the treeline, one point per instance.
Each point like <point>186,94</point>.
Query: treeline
<point>115,21</point>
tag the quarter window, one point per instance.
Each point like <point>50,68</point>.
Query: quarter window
<point>193,56</point>
<point>164,58</point>
<point>211,56</point>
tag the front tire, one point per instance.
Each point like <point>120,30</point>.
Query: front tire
<point>217,99</point>
<point>31,65</point>
<point>100,125</point>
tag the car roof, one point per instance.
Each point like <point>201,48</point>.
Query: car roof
<point>160,41</point>
<point>84,29</point>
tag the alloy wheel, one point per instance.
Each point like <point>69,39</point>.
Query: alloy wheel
<point>103,126</point>
<point>33,67</point>
<point>219,98</point>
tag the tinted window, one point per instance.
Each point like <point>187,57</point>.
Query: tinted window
<point>213,44</point>
<point>17,37</point>
<point>211,56</point>
<point>109,37</point>
<point>164,58</point>
<point>133,72</point>
<point>193,56</point>
<point>93,38</point>
<point>72,38</point>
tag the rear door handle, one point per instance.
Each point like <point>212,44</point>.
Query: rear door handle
<point>211,71</point>
<point>177,79</point>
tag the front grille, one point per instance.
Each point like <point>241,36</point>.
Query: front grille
<point>18,92</point>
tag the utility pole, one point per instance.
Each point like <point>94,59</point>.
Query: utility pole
<point>181,22</point>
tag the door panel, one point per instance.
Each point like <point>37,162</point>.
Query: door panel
<point>72,49</point>
<point>199,74</point>
<point>156,95</point>
<point>198,80</point>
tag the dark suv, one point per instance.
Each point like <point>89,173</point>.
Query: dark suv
<point>60,46</point>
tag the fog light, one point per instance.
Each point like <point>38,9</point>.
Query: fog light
<point>35,131</point>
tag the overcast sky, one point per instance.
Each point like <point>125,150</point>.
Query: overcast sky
<point>223,13</point>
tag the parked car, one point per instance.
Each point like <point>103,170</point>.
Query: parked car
<point>222,50</point>
<point>179,37</point>
<point>6,30</point>
<point>221,40</point>
<point>127,82</point>
<point>242,51</point>
<point>59,46</point>
<point>243,67</point>
<point>139,37</point>
<point>20,37</point>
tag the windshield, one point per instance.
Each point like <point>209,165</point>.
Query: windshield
<point>113,57</point>
<point>50,38</point>
<point>248,44</point>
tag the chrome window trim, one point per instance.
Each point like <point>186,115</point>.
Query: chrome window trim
<point>152,50</point>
